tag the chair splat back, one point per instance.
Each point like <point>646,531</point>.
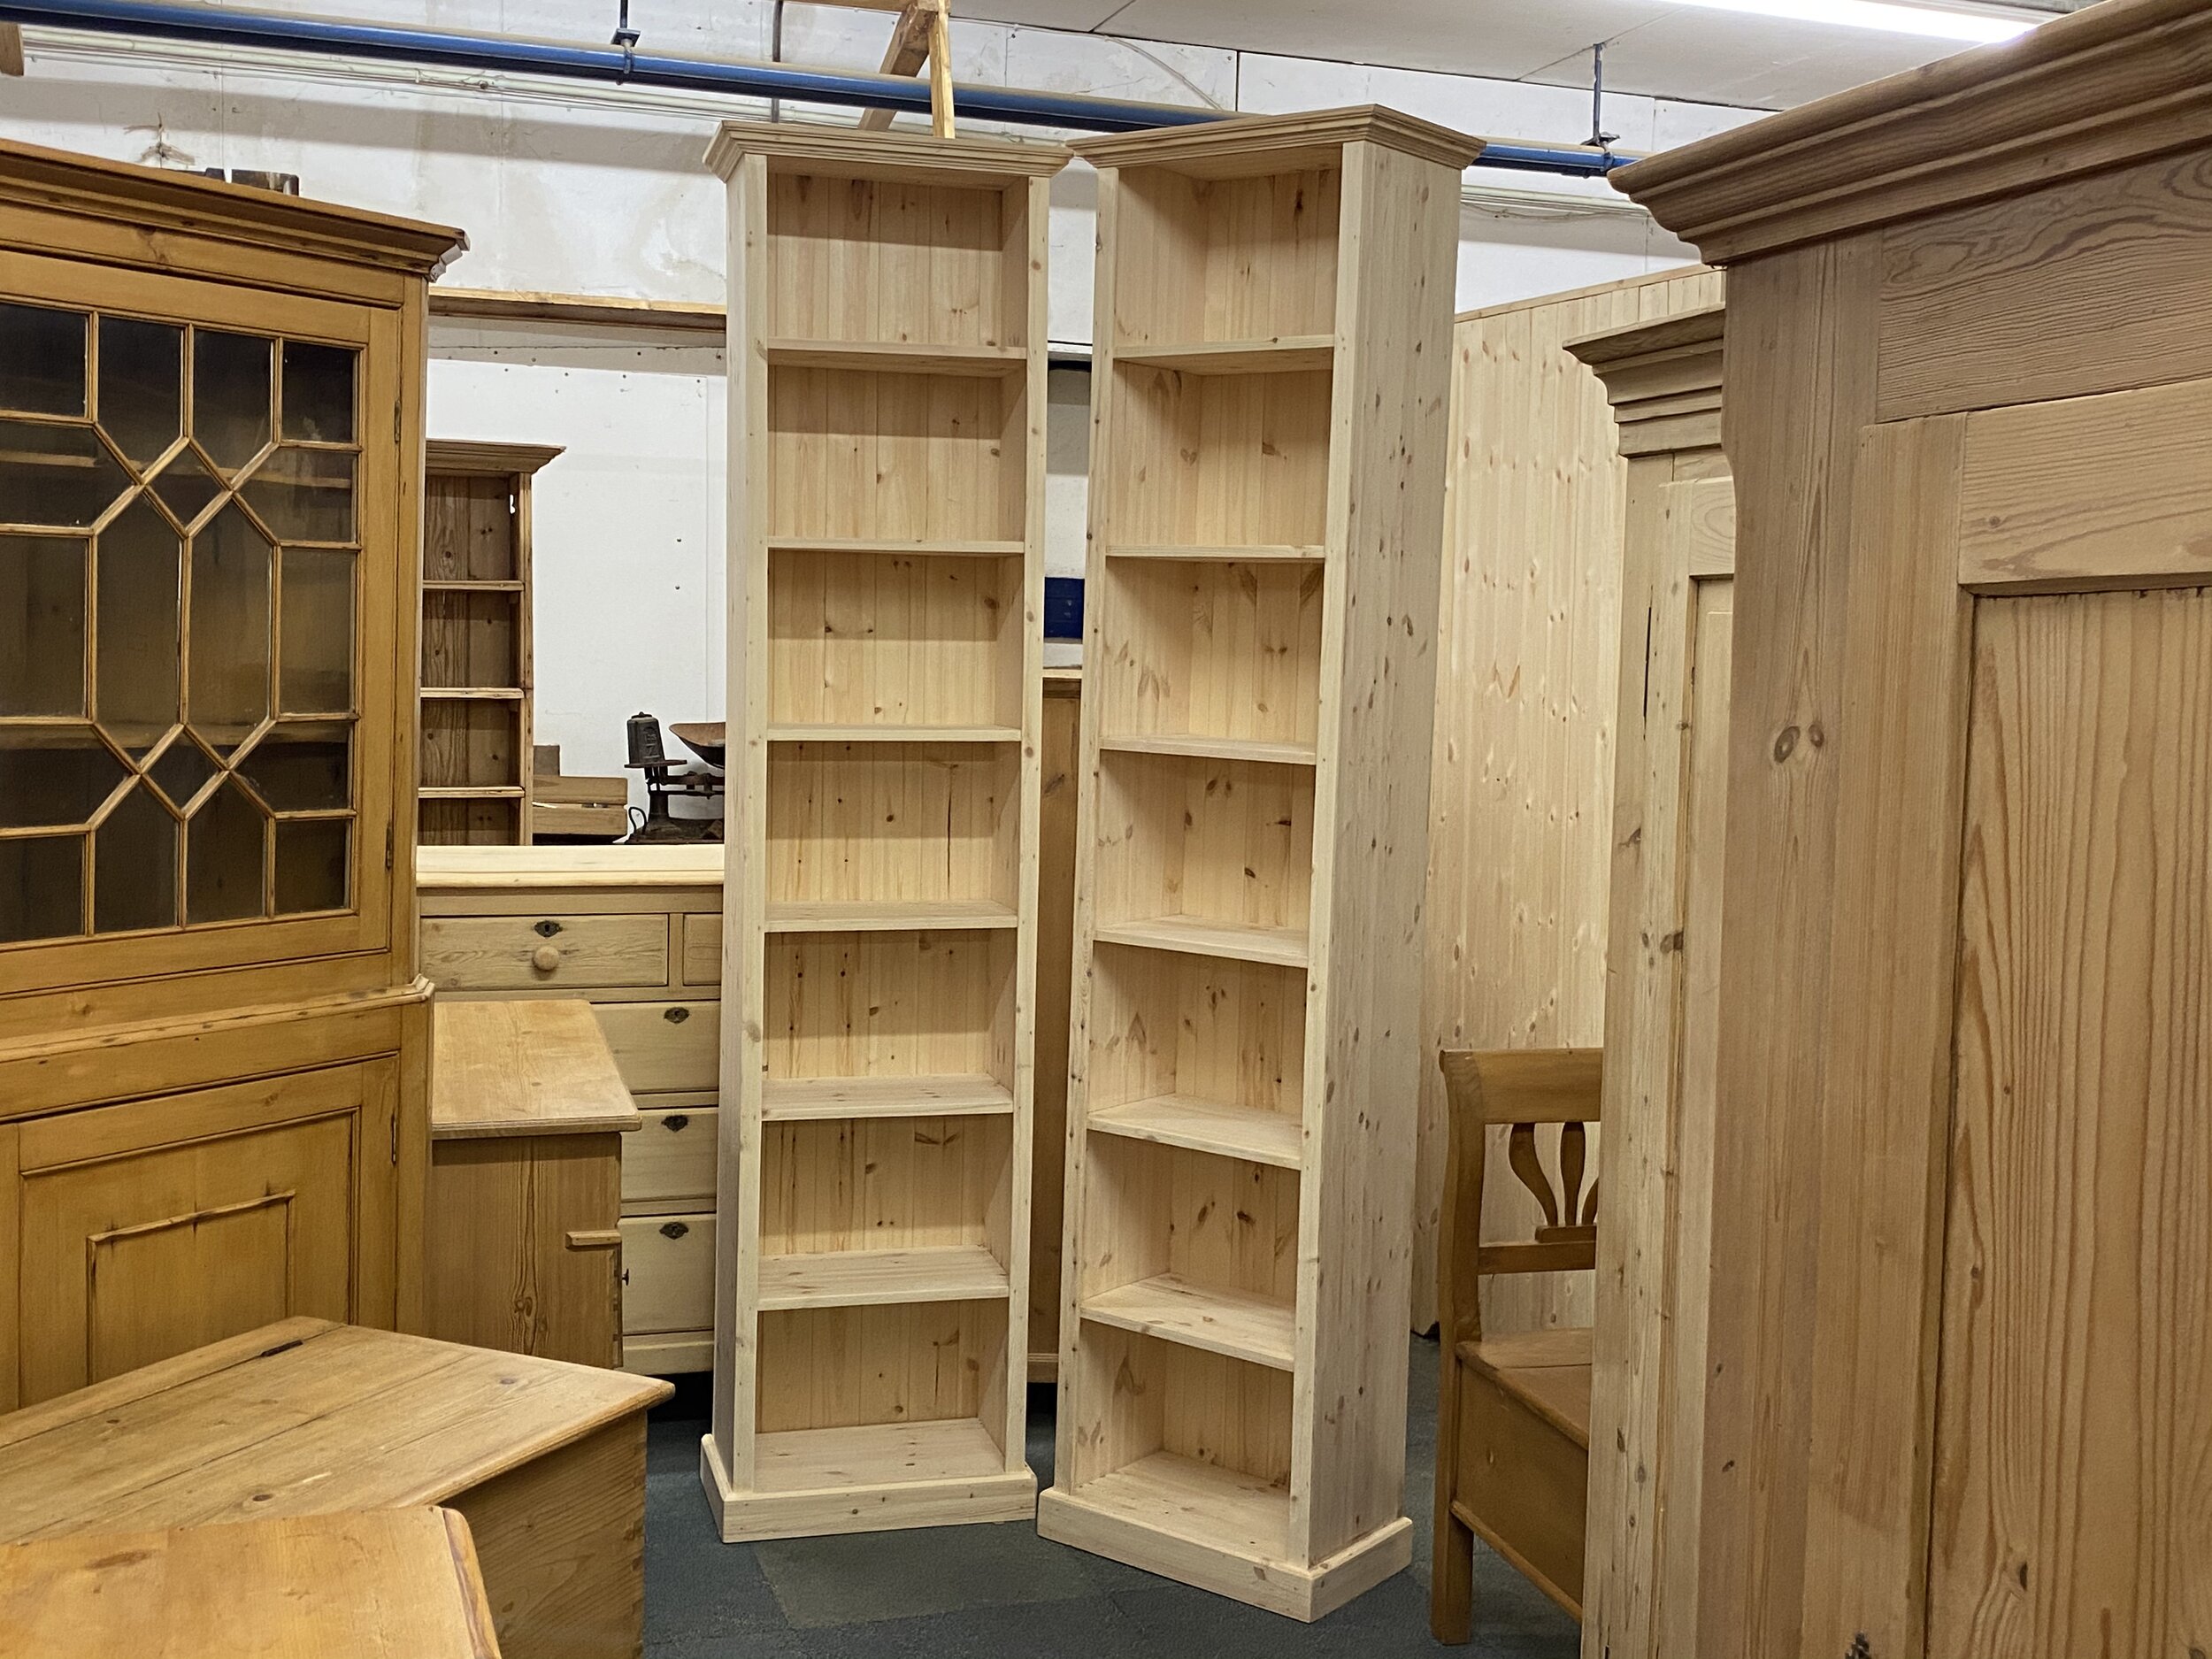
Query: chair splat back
<point>1525,1089</point>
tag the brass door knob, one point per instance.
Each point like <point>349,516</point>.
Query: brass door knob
<point>545,958</point>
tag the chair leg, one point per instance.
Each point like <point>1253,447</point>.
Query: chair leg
<point>1452,1580</point>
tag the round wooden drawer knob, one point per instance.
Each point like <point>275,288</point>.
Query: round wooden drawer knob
<point>545,958</point>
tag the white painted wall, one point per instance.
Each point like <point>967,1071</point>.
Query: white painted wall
<point>587,190</point>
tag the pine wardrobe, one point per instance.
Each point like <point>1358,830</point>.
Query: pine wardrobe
<point>213,1044</point>
<point>1959,1320</point>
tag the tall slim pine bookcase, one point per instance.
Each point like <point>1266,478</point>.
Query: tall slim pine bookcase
<point>1267,470</point>
<point>886,370</point>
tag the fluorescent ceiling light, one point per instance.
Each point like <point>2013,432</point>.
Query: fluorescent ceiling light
<point>1896,19</point>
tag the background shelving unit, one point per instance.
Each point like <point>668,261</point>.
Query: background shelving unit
<point>476,651</point>
<point>1274,314</point>
<point>887,393</point>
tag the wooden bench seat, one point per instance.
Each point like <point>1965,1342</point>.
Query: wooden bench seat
<point>545,1460</point>
<point>1550,1370</point>
<point>1513,1427</point>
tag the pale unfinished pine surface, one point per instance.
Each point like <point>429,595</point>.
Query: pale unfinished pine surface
<point>872,1227</point>
<point>1645,1383</point>
<point>303,1417</point>
<point>1521,783</point>
<point>389,1584</point>
<point>1259,672</point>
<point>1958,1319</point>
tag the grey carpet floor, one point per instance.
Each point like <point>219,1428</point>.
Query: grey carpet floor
<point>1003,1593</point>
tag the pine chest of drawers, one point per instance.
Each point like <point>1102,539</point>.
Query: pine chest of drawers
<point>637,933</point>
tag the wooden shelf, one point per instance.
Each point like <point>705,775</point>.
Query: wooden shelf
<point>1222,1507</point>
<point>472,791</point>
<point>881,1279</point>
<point>1275,553</point>
<point>894,734</point>
<point>878,916</point>
<point>1208,747</point>
<point>471,588</point>
<point>1232,1323</point>
<point>875,1454</point>
<point>1289,354</point>
<point>473,694</point>
<point>884,544</point>
<point>1204,1125</point>
<point>811,1099</point>
<point>893,357</point>
<point>1276,946</point>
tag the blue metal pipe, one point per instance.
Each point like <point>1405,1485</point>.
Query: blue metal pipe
<point>612,65</point>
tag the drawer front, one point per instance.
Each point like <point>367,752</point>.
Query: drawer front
<point>668,1273</point>
<point>525,953</point>
<point>672,1156</point>
<point>702,950</point>
<point>664,1045</point>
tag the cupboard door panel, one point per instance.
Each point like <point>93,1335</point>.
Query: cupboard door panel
<point>148,1229</point>
<point>2073,1425</point>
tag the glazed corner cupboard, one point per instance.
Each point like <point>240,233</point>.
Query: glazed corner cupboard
<point>1272,355</point>
<point>477,671</point>
<point>213,1045</point>
<point>886,414</point>
<point>1959,1322</point>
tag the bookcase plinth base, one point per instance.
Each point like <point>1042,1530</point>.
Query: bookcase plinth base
<point>1296,1592</point>
<point>862,1506</point>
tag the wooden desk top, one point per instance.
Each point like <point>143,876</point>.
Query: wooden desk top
<point>394,1584</point>
<point>536,1067</point>
<point>299,1417</point>
<point>524,868</point>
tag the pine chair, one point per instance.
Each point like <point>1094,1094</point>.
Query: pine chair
<point>1513,1412</point>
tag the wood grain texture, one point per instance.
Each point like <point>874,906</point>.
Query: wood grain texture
<point>389,1584</point>
<point>525,1068</point>
<point>1976,305</point>
<point>1523,769</point>
<point>1637,1583</point>
<point>2074,1432</point>
<point>1248,876</point>
<point>1058,773</point>
<point>278,1422</point>
<point>1800,385</point>
<point>2089,493</point>
<point>887,395</point>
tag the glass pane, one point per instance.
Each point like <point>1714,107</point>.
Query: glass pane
<point>136,646</point>
<point>305,495</point>
<point>303,766</point>
<point>52,776</point>
<point>134,866</point>
<point>42,889</point>
<point>185,487</point>
<point>141,386</point>
<point>222,859</point>
<point>41,361</point>
<point>230,396</point>
<point>319,392</point>
<point>316,674</point>
<point>62,476</point>
<point>310,864</point>
<point>182,772</point>
<point>42,624</point>
<point>231,571</point>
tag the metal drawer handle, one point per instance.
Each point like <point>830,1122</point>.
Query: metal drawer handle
<point>546,930</point>
<point>674,1122</point>
<point>675,1229</point>
<point>676,1016</point>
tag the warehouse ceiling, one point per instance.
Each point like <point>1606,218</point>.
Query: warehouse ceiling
<point>1666,50</point>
